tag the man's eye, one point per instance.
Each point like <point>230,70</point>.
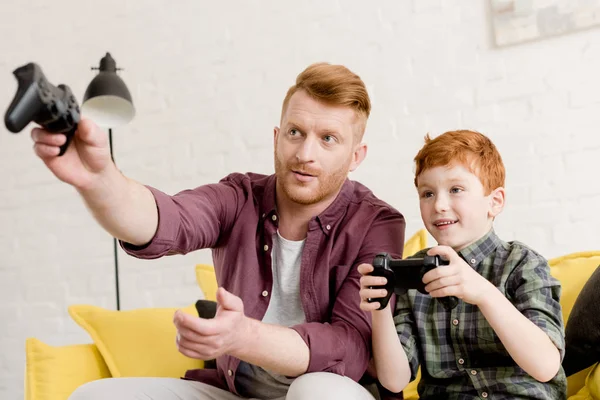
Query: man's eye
<point>294,132</point>
<point>328,138</point>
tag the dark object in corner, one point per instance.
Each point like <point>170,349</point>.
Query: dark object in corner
<point>582,333</point>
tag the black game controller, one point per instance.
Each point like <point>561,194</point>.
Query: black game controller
<point>37,100</point>
<point>406,274</point>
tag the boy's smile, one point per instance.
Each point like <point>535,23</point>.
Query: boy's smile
<point>454,206</point>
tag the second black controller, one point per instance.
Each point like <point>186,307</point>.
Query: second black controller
<point>404,274</point>
<point>37,100</point>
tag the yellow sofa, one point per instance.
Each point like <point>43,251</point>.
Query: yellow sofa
<point>141,342</point>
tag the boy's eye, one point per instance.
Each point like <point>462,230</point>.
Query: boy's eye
<point>427,194</point>
<point>456,190</point>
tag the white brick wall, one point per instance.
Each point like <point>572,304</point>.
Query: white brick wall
<point>208,79</point>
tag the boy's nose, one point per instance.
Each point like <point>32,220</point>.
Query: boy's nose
<point>441,204</point>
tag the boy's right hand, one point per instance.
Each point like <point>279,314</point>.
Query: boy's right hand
<point>86,158</point>
<point>366,282</point>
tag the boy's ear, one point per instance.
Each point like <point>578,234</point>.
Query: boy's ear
<point>496,201</point>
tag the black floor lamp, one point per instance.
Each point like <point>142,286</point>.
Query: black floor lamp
<point>108,103</point>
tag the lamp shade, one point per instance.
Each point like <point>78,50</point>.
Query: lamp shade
<point>107,100</point>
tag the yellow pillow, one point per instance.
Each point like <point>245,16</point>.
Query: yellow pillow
<point>583,394</point>
<point>137,342</point>
<point>593,382</point>
<point>53,373</point>
<point>573,271</point>
<point>576,383</point>
<point>205,276</point>
<point>417,242</point>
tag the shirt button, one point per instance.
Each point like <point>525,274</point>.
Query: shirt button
<point>473,261</point>
<point>461,361</point>
<point>266,247</point>
<point>484,395</point>
<point>473,372</point>
<point>274,217</point>
<point>265,293</point>
<point>328,227</point>
<point>454,322</point>
<point>263,215</point>
<point>229,372</point>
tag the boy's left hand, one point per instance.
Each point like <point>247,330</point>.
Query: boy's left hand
<point>456,279</point>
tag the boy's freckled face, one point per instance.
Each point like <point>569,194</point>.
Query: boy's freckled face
<point>454,206</point>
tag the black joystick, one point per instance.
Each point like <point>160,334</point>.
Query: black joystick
<point>406,274</point>
<point>37,100</point>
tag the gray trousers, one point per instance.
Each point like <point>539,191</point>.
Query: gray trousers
<point>317,385</point>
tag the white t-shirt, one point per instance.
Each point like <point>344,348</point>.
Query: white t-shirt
<point>285,309</point>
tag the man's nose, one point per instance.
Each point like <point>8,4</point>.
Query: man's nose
<point>307,150</point>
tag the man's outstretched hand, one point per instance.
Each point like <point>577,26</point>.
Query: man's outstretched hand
<point>207,339</point>
<point>84,162</point>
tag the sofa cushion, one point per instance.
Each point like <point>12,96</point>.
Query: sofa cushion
<point>55,372</point>
<point>137,342</point>
<point>593,382</point>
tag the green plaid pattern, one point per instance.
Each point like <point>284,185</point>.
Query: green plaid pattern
<point>460,354</point>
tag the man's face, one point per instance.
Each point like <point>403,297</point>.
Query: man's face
<point>454,206</point>
<point>315,149</point>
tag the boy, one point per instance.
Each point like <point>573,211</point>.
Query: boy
<point>505,338</point>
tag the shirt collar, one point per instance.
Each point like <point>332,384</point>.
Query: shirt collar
<point>325,221</point>
<point>476,252</point>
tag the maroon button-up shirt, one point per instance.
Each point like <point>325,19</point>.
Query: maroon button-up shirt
<point>235,218</point>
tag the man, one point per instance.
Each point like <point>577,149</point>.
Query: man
<point>285,249</point>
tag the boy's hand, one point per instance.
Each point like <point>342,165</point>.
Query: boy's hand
<point>366,281</point>
<point>456,279</point>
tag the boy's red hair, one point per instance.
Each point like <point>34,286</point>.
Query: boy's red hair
<point>471,149</point>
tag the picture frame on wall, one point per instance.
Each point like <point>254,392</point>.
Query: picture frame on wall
<point>517,21</point>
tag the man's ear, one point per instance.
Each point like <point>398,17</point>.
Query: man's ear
<point>497,198</point>
<point>359,154</point>
<point>275,133</point>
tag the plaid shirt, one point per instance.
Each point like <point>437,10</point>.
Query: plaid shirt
<point>460,354</point>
